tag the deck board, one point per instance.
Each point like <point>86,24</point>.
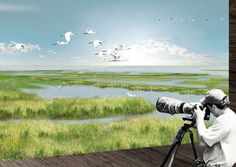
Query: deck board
<point>143,157</point>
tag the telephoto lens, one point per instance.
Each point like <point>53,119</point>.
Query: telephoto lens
<point>173,106</point>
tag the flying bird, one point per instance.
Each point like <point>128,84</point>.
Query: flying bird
<point>96,43</point>
<point>68,35</point>
<point>130,94</point>
<point>89,31</point>
<point>61,43</point>
<point>63,83</point>
<point>18,46</point>
<point>122,47</point>
<point>100,54</point>
<point>116,58</point>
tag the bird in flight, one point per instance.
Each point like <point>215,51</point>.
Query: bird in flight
<point>61,43</point>
<point>63,83</point>
<point>96,43</point>
<point>130,94</point>
<point>89,31</point>
<point>121,47</point>
<point>18,46</point>
<point>68,35</point>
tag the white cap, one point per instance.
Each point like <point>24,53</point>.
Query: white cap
<point>215,96</point>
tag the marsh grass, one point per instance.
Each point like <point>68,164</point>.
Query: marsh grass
<point>20,140</point>
<point>73,108</point>
<point>43,139</point>
<point>9,81</point>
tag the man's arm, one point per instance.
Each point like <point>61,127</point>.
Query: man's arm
<point>215,133</point>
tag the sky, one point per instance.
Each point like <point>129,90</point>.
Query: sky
<point>158,32</point>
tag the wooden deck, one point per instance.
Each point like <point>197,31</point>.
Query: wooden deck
<point>143,157</point>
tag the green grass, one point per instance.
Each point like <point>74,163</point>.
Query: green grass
<point>29,139</point>
<point>11,81</point>
<point>73,108</point>
<point>216,70</point>
<point>220,83</point>
<point>43,139</point>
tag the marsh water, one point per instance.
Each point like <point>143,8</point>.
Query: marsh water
<point>92,91</point>
<point>219,71</point>
<point>151,96</point>
<point>156,83</point>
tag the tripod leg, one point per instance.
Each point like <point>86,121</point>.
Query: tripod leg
<point>169,153</point>
<point>192,142</point>
<point>177,142</point>
<point>173,154</point>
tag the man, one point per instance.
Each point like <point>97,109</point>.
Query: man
<point>220,137</point>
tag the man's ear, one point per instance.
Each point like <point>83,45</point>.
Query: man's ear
<point>214,107</point>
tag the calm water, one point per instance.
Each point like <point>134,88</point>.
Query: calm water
<point>161,83</point>
<point>99,120</point>
<point>135,69</point>
<point>163,69</point>
<point>92,91</point>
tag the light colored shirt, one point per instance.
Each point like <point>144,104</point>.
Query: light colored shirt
<point>220,138</point>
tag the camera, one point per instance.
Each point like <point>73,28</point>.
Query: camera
<point>174,106</point>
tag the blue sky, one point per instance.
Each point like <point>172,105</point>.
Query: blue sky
<point>159,32</point>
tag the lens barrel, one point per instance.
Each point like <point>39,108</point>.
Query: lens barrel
<point>173,106</point>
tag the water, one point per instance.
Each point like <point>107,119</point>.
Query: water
<point>161,83</point>
<point>95,120</point>
<point>162,69</point>
<point>135,69</point>
<point>152,96</point>
<point>92,91</point>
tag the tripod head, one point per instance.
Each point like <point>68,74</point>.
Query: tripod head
<point>192,121</point>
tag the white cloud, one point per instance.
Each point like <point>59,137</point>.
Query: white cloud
<point>41,56</point>
<point>52,52</point>
<point>6,49</point>
<point>76,57</point>
<point>7,7</point>
<point>152,52</point>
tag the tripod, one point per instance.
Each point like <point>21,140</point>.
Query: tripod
<point>178,139</point>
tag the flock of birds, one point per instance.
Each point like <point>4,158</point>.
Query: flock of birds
<point>110,55</point>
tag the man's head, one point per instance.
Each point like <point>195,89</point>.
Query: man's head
<point>217,101</point>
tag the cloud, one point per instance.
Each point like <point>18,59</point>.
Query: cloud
<point>7,7</point>
<point>151,52</point>
<point>52,52</point>
<point>76,57</point>
<point>41,56</point>
<point>9,49</point>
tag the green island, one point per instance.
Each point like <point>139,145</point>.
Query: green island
<point>28,127</point>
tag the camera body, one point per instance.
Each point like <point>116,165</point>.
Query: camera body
<point>173,106</point>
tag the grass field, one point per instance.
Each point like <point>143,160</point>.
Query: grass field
<point>73,108</point>
<point>9,80</point>
<point>41,136</point>
<point>41,139</point>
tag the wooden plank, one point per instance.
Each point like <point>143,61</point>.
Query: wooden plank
<point>145,157</point>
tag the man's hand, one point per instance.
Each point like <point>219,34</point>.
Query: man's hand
<point>199,114</point>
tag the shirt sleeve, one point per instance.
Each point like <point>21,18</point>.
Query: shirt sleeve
<point>215,133</point>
